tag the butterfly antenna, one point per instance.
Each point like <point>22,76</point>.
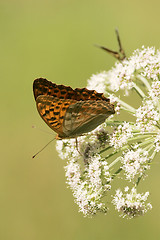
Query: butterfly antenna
<point>42,130</point>
<point>120,55</point>
<point>121,50</point>
<point>43,148</point>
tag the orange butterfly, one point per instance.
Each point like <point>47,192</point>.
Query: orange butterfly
<point>70,112</point>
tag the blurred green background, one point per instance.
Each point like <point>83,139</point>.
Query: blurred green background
<point>55,40</point>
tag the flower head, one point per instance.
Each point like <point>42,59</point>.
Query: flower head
<point>147,116</point>
<point>135,162</point>
<point>125,143</point>
<point>121,135</point>
<point>89,185</point>
<point>131,204</point>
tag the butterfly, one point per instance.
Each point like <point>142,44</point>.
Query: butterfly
<point>70,112</point>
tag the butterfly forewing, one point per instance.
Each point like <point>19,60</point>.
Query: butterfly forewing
<point>42,86</point>
<point>52,110</point>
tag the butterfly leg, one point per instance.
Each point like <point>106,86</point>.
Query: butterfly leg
<point>120,55</point>
<point>77,147</point>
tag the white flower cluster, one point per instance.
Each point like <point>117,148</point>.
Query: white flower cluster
<point>120,77</point>
<point>97,82</point>
<point>131,204</point>
<point>135,162</point>
<point>148,62</point>
<point>67,149</point>
<point>147,116</point>
<point>154,92</point>
<point>121,135</point>
<point>114,100</point>
<point>90,185</point>
<point>145,62</point>
<point>157,143</point>
<point>118,145</point>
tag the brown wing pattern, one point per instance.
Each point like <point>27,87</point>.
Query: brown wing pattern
<point>84,116</point>
<point>42,86</point>
<point>70,112</point>
<point>52,110</point>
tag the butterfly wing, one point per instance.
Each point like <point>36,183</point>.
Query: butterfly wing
<point>70,112</point>
<point>84,116</point>
<point>42,86</point>
<point>52,110</point>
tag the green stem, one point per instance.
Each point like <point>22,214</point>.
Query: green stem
<point>114,162</point>
<point>107,148</point>
<point>137,138</point>
<point>128,111</point>
<point>126,106</point>
<point>147,141</point>
<point>115,152</point>
<point>153,155</point>
<point>138,90</point>
<point>144,80</point>
<point>116,123</point>
<point>157,125</point>
<point>149,147</point>
<point>112,154</point>
<point>138,180</point>
<point>146,133</point>
<point>116,173</point>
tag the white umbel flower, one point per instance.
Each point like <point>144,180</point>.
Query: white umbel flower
<point>131,204</point>
<point>125,143</point>
<point>135,162</point>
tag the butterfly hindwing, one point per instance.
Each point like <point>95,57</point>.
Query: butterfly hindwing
<point>84,116</point>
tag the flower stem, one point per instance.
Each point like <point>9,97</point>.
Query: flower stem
<point>149,147</point>
<point>139,91</point>
<point>153,155</point>
<point>147,141</point>
<point>116,173</point>
<point>127,106</point>
<point>138,180</point>
<point>157,125</point>
<point>144,80</point>
<point>114,162</point>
